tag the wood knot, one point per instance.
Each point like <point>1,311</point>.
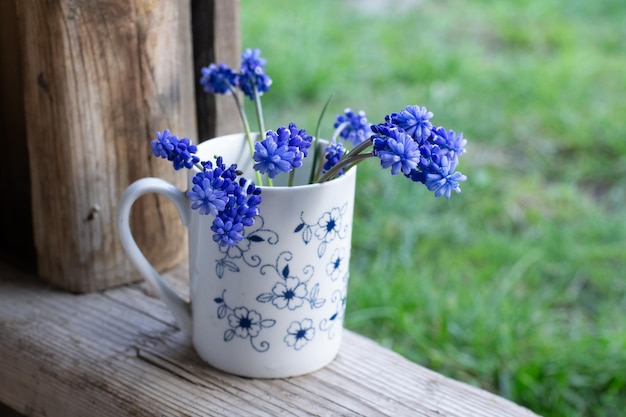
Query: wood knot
<point>93,212</point>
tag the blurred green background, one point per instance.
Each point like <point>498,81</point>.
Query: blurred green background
<point>517,284</point>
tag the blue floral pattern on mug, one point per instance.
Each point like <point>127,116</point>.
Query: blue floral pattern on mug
<point>243,323</point>
<point>243,250</point>
<point>300,333</point>
<point>337,267</point>
<point>338,299</point>
<point>326,229</point>
<point>290,292</point>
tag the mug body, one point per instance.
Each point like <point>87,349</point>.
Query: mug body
<point>273,305</point>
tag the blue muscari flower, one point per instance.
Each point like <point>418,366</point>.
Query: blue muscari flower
<point>398,151</point>
<point>271,157</point>
<point>414,121</point>
<point>234,202</point>
<point>334,152</point>
<point>207,194</point>
<point>281,151</point>
<point>252,74</point>
<point>357,129</point>
<point>227,233</point>
<point>179,151</point>
<point>442,179</point>
<point>383,129</point>
<point>450,142</point>
<point>298,141</point>
<point>164,144</point>
<point>218,79</point>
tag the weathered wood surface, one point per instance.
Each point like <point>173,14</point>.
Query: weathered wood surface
<point>118,353</point>
<point>100,78</point>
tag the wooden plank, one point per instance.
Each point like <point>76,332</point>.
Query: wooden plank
<point>100,78</point>
<point>119,353</point>
<point>216,38</point>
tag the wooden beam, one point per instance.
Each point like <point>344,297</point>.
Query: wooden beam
<point>118,353</point>
<point>216,38</point>
<point>100,78</point>
<point>16,225</point>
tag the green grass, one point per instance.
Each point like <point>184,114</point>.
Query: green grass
<point>517,284</point>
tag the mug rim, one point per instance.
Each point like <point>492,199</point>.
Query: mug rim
<point>348,174</point>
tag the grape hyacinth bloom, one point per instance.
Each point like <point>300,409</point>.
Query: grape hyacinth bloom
<point>334,152</point>
<point>398,150</point>
<point>272,158</point>
<point>297,140</point>
<point>354,126</point>
<point>414,120</point>
<point>450,143</point>
<point>179,151</point>
<point>234,203</point>
<point>218,79</point>
<point>207,194</point>
<point>241,209</point>
<point>281,151</point>
<point>442,179</point>
<point>252,74</point>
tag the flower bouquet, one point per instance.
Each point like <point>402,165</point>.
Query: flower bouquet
<point>406,143</point>
<point>269,219</point>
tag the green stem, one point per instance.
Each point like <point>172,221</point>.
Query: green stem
<point>259,112</point>
<point>318,171</point>
<point>292,176</point>
<point>246,127</point>
<point>314,172</point>
<point>359,148</point>
<point>354,156</point>
<point>349,161</point>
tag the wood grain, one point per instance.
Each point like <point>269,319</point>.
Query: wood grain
<point>118,353</point>
<point>100,78</point>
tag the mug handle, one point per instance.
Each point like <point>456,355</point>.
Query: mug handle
<point>181,310</point>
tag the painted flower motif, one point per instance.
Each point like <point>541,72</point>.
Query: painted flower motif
<point>246,323</point>
<point>289,294</point>
<point>337,266</point>
<point>300,333</point>
<point>329,225</point>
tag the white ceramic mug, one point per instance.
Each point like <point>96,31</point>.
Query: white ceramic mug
<point>273,305</point>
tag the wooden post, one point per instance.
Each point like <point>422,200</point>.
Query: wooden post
<point>100,78</point>
<point>216,38</point>
<point>16,227</point>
